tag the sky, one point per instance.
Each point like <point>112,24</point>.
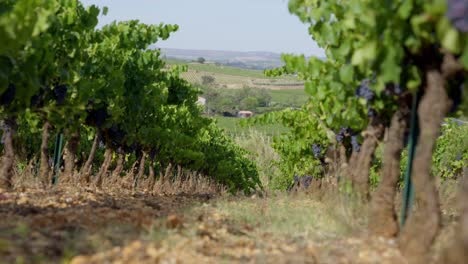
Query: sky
<point>235,25</point>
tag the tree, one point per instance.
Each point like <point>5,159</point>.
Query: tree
<point>208,80</point>
<point>201,60</point>
<point>249,103</point>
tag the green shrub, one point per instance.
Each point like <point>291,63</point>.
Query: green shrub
<point>449,158</point>
<point>451,153</point>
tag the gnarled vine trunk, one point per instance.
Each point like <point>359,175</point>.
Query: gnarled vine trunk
<point>457,253</point>
<point>151,176</point>
<point>7,160</point>
<point>70,156</point>
<point>383,219</point>
<point>360,166</point>
<point>86,170</point>
<point>104,167</point>
<point>423,224</point>
<point>141,169</point>
<point>44,172</point>
<point>120,165</point>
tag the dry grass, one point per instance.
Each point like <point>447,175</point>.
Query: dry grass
<point>261,151</point>
<point>183,182</point>
<point>301,215</point>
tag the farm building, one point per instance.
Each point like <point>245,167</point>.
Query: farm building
<point>201,101</point>
<point>245,114</point>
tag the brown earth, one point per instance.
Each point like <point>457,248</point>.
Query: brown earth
<point>50,226</point>
<point>86,226</point>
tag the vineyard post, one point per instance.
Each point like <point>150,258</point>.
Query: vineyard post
<point>57,157</point>
<point>408,191</point>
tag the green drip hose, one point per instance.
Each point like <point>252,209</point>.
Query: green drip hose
<point>408,191</point>
<point>57,157</point>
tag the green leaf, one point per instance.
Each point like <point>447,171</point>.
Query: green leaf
<point>366,53</point>
<point>347,73</point>
<point>449,36</point>
<point>415,79</point>
<point>464,56</point>
<point>405,9</point>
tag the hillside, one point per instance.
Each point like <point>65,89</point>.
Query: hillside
<point>253,60</point>
<point>248,60</point>
<point>235,78</point>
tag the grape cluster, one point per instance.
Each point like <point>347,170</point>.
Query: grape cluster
<point>39,98</point>
<point>317,151</point>
<point>393,89</point>
<point>96,114</point>
<point>457,11</point>
<point>364,91</point>
<point>342,134</point>
<point>152,154</point>
<point>60,93</point>
<point>306,181</point>
<point>35,100</point>
<point>355,143</point>
<point>116,135</point>
<point>8,96</point>
<point>301,182</point>
<point>371,112</point>
<point>97,117</point>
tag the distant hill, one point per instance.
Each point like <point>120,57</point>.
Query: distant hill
<point>259,60</point>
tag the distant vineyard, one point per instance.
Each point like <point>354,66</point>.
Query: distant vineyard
<point>238,81</point>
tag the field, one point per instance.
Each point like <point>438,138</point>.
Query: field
<point>220,69</point>
<point>235,78</point>
<point>294,97</point>
<point>234,127</point>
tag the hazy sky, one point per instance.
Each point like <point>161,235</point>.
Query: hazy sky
<point>238,25</point>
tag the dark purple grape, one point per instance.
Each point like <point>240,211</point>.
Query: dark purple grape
<point>355,144</point>
<point>346,131</point>
<point>343,133</point>
<point>8,96</point>
<point>371,112</point>
<point>398,89</point>
<point>152,154</point>
<point>364,91</point>
<point>35,100</point>
<point>339,138</point>
<point>393,89</point>
<point>60,93</point>
<point>115,135</point>
<point>457,11</point>
<point>306,181</point>
<point>101,116</point>
<point>96,114</point>
<point>317,151</point>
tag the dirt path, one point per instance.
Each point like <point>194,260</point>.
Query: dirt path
<point>84,227</point>
<point>53,226</point>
